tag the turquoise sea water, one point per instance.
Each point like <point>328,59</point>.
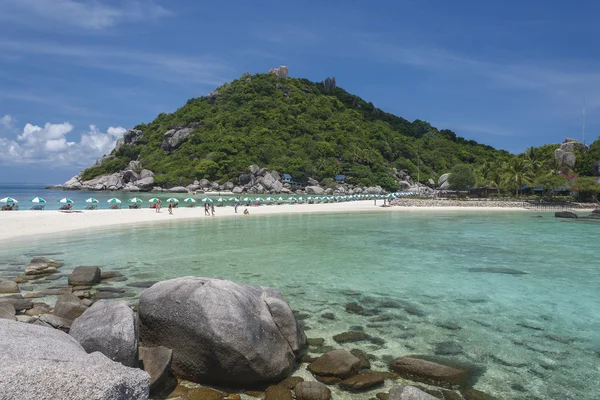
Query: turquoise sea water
<point>534,335</point>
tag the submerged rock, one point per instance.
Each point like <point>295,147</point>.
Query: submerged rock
<point>312,391</point>
<point>42,266</point>
<point>351,337</point>
<point>499,270</point>
<point>337,364</point>
<point>434,373</point>
<point>41,363</point>
<point>7,311</point>
<point>221,332</point>
<point>69,306</point>
<point>9,287</point>
<point>409,393</point>
<point>85,276</point>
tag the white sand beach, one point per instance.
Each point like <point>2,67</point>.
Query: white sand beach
<point>21,224</point>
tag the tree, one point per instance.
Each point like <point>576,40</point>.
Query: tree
<point>587,188</point>
<point>517,173</point>
<point>461,176</point>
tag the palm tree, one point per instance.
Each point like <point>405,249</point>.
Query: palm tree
<point>518,172</point>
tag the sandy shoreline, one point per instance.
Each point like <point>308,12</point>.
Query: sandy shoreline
<point>22,224</point>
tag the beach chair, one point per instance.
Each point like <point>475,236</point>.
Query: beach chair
<point>134,206</point>
<point>115,207</point>
<point>65,207</point>
<point>91,207</point>
<point>38,207</point>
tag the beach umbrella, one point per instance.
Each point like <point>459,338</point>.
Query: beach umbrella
<point>270,199</point>
<point>301,198</point>
<point>135,200</point>
<point>8,200</point>
<point>189,200</point>
<point>221,200</point>
<point>153,200</point>
<point>292,198</point>
<point>260,199</point>
<point>172,200</point>
<point>114,200</point>
<point>64,200</point>
<point>207,200</point>
<point>280,199</point>
<point>38,200</point>
<point>92,200</point>
<point>247,199</point>
<point>235,199</point>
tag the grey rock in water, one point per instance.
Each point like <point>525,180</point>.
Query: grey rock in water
<point>69,306</point>
<point>42,363</point>
<point>434,373</point>
<point>499,270</point>
<point>565,214</point>
<point>409,393</point>
<point>178,189</point>
<point>339,364</point>
<point>83,276</point>
<point>174,138</point>
<point>17,301</point>
<point>9,287</point>
<point>221,332</point>
<point>109,327</point>
<point>156,361</point>
<point>312,391</point>
<point>54,322</point>
<point>7,311</point>
<point>42,266</point>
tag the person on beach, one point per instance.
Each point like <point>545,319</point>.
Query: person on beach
<point>375,201</point>
<point>212,209</point>
<point>206,209</point>
<point>235,207</point>
<point>246,212</point>
<point>170,208</point>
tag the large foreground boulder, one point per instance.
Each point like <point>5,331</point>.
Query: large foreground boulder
<point>156,361</point>
<point>44,363</point>
<point>221,332</point>
<point>109,327</point>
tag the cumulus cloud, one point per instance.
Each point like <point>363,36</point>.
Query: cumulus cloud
<point>50,144</point>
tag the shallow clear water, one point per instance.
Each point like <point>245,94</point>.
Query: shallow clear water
<point>537,334</point>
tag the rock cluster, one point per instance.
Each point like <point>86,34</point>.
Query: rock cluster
<point>281,72</point>
<point>565,156</point>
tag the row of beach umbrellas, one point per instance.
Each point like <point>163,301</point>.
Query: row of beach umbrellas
<point>172,200</point>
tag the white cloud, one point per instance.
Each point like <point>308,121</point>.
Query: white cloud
<point>93,15</point>
<point>49,145</point>
<point>173,68</point>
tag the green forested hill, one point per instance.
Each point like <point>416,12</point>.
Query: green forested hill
<point>298,127</point>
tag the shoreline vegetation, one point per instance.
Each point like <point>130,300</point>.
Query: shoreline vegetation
<point>24,224</point>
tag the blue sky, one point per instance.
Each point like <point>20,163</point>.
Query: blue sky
<point>74,74</point>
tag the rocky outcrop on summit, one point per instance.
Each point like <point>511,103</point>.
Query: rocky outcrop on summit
<point>571,145</point>
<point>231,334</point>
<point>281,72</point>
<point>175,137</point>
